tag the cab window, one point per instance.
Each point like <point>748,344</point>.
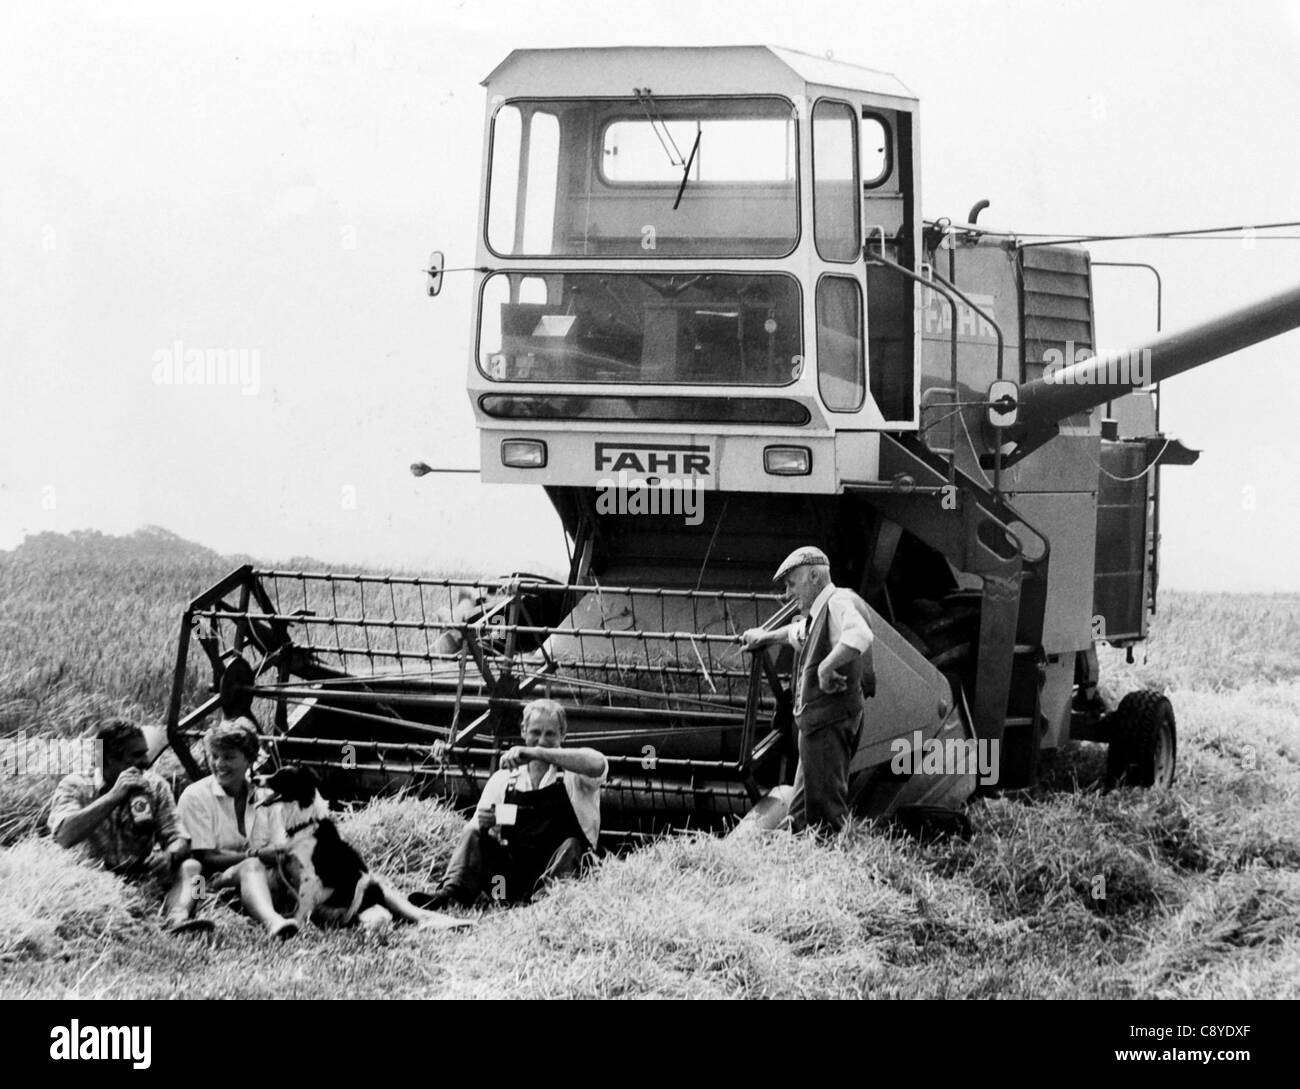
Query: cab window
<point>836,219</point>
<point>841,366</point>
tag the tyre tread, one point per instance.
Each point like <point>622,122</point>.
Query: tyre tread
<point>1135,735</point>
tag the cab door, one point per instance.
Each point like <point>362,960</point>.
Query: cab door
<point>889,214</point>
<point>839,279</point>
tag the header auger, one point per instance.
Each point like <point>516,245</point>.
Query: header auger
<point>705,270</point>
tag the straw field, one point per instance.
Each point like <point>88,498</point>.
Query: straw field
<point>1062,891</point>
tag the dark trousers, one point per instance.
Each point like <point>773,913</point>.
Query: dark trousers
<point>481,864</point>
<point>821,784</point>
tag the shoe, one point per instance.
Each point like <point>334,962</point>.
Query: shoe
<point>190,926</point>
<point>286,930</point>
<point>445,922</point>
<point>432,901</point>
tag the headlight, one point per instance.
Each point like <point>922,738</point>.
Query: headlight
<point>523,454</point>
<point>787,460</point>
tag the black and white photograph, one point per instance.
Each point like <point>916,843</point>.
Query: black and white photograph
<point>651,500</point>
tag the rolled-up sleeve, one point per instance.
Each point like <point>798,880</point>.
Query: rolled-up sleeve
<point>589,783</point>
<point>848,625</point>
<point>68,800</point>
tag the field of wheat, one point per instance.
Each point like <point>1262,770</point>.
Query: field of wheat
<point>1201,883</point>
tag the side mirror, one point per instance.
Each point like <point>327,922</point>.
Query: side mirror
<point>436,264</point>
<point>1004,403</point>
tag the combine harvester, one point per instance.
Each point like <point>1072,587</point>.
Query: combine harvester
<point>702,275</point>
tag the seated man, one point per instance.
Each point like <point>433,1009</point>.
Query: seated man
<point>537,820</point>
<point>123,816</point>
<point>234,839</point>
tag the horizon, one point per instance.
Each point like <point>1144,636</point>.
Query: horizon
<point>326,564</point>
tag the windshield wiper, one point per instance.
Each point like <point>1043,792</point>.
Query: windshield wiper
<point>699,131</point>
<point>665,136</point>
<point>658,125</point>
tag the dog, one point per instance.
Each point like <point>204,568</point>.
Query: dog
<point>332,884</point>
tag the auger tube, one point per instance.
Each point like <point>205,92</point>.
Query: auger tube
<point>1091,382</point>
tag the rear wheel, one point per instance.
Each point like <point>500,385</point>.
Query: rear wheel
<point>947,636</point>
<point>1144,741</point>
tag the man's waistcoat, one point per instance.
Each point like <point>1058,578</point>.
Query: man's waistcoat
<point>812,705</point>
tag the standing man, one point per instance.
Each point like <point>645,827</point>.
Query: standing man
<point>831,679</point>
<point>537,820</point>
<point>123,816</point>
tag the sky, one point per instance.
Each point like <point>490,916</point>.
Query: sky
<point>272,178</point>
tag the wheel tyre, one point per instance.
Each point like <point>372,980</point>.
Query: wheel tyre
<point>1144,742</point>
<point>237,681</point>
<point>950,643</point>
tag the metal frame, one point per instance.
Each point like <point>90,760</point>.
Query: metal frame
<point>380,656</point>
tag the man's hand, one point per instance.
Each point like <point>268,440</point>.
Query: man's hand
<point>128,780</point>
<point>159,864</point>
<point>520,755</point>
<point>828,680</point>
<point>487,819</point>
<point>753,639</point>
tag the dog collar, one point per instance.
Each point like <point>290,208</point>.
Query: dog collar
<point>293,831</point>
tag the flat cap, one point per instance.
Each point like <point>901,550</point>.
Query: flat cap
<point>801,557</point>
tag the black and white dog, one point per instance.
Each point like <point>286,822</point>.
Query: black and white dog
<point>332,884</point>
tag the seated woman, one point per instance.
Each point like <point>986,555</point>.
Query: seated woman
<point>234,839</point>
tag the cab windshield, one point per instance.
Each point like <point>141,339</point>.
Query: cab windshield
<point>644,177</point>
<point>691,328</point>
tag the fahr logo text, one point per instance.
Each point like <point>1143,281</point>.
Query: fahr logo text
<point>648,457</point>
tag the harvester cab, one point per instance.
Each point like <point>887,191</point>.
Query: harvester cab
<point>676,287</point>
<point>711,324</point>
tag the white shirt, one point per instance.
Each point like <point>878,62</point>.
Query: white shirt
<point>583,791</point>
<point>846,624</point>
<point>206,814</point>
